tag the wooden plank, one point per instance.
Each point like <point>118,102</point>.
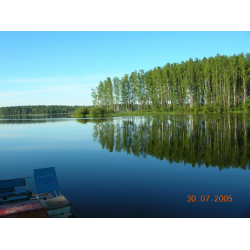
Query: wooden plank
<point>45,180</point>
<point>14,198</point>
<point>47,188</point>
<point>15,193</point>
<point>12,183</point>
<point>5,190</point>
<point>44,171</point>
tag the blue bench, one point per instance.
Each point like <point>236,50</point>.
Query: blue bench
<point>15,189</point>
<point>46,181</point>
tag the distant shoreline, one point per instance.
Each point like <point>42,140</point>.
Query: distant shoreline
<point>39,114</point>
<point>119,114</point>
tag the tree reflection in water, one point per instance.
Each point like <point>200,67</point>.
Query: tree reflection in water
<point>212,140</point>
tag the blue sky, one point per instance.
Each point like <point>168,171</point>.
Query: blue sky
<point>60,68</point>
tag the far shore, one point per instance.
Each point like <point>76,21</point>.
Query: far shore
<point>134,113</point>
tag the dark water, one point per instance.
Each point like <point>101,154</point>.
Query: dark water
<point>136,166</point>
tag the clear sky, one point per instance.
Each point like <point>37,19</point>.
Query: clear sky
<point>60,68</point>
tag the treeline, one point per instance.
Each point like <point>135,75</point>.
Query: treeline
<point>94,111</point>
<point>213,84</point>
<point>27,119</point>
<point>218,141</point>
<point>40,109</point>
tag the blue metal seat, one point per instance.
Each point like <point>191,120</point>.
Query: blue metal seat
<point>14,189</point>
<point>46,181</point>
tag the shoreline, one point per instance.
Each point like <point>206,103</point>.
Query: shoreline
<point>134,113</point>
<point>120,114</point>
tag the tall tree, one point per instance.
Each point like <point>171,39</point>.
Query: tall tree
<point>117,89</point>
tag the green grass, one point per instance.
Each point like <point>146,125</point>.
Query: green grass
<point>134,113</point>
<point>169,113</point>
<point>144,113</point>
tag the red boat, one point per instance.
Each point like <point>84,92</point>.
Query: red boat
<point>25,209</point>
<point>16,201</point>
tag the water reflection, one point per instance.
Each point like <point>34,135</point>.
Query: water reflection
<point>212,140</point>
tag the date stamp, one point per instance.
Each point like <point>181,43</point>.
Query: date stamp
<point>206,198</point>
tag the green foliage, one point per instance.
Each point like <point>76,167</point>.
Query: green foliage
<point>170,108</point>
<point>148,108</point>
<point>180,109</point>
<point>196,107</point>
<point>191,110</point>
<point>163,109</point>
<point>187,109</point>
<point>82,111</point>
<point>233,108</point>
<point>215,81</point>
<point>97,111</point>
<point>39,109</point>
<point>156,110</point>
<point>224,109</point>
<point>207,109</point>
<point>156,105</point>
<point>138,112</point>
<point>109,111</point>
<point>248,103</point>
<point>217,107</point>
<point>241,107</point>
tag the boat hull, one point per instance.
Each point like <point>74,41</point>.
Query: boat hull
<point>25,209</point>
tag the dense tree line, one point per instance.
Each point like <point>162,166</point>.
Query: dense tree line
<point>27,119</point>
<point>213,140</point>
<point>219,83</point>
<point>94,111</point>
<point>40,109</point>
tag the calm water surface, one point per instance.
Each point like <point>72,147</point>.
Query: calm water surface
<point>135,166</point>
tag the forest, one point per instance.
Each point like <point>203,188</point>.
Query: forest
<point>29,119</point>
<point>39,109</point>
<point>214,84</point>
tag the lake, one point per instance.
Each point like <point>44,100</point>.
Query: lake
<point>152,166</point>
